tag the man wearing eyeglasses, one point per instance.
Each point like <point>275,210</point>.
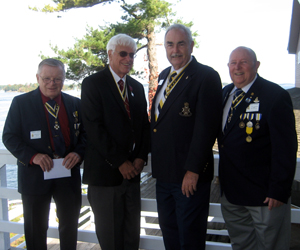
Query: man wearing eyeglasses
<point>44,131</point>
<point>115,117</point>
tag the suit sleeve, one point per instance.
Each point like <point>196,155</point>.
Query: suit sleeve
<point>284,145</point>
<point>144,147</point>
<point>207,123</point>
<point>13,137</point>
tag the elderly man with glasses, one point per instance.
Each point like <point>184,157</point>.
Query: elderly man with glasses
<point>44,131</point>
<point>115,116</point>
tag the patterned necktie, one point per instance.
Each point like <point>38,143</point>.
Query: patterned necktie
<point>167,91</point>
<point>124,96</point>
<point>238,96</point>
<point>58,139</point>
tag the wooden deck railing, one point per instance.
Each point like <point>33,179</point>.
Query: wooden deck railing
<point>148,210</point>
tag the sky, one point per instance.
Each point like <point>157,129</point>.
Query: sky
<point>222,25</point>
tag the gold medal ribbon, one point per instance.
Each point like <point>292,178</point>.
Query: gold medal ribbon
<point>52,110</point>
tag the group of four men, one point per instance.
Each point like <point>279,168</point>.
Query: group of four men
<point>256,138</point>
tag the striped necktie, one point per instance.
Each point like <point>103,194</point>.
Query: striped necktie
<point>57,136</point>
<point>238,96</point>
<point>167,91</point>
<point>124,96</point>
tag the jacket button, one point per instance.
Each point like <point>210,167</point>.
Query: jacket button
<point>155,130</point>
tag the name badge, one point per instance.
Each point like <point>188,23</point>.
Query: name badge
<point>253,107</point>
<point>161,82</point>
<point>35,134</point>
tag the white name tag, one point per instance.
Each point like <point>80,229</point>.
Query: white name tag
<point>161,82</point>
<point>253,107</point>
<point>35,134</point>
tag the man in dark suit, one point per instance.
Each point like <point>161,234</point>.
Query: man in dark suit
<point>185,120</point>
<point>258,148</point>
<point>32,138</point>
<point>115,116</point>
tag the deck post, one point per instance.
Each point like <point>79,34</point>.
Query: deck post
<point>4,236</point>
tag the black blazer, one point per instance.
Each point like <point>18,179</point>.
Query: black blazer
<point>181,142</point>
<point>113,138</point>
<point>251,171</point>
<point>26,114</point>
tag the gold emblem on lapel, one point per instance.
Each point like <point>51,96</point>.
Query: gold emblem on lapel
<point>186,110</point>
<point>256,99</point>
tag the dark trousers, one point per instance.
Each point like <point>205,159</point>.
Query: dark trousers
<point>183,220</point>
<point>36,215</point>
<point>117,212</point>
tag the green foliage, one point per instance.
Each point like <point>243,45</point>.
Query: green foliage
<point>19,87</point>
<point>62,5</point>
<point>88,54</point>
<point>140,21</point>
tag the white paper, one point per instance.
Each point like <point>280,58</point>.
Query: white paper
<point>58,170</point>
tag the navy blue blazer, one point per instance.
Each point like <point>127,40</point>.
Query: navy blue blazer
<point>26,115</point>
<point>264,164</point>
<point>188,124</point>
<point>113,138</point>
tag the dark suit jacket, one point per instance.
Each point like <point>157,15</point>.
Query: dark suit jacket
<point>113,138</point>
<point>184,142</point>
<point>26,114</point>
<point>251,171</point>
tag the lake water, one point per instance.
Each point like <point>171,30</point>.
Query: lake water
<point>5,101</point>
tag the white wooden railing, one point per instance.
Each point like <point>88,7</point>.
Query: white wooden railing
<point>148,210</point>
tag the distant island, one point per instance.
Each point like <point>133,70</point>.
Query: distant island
<point>28,87</point>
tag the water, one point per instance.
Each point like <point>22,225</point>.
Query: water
<point>5,101</point>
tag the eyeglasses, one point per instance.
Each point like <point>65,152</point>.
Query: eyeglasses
<point>124,54</point>
<point>49,80</point>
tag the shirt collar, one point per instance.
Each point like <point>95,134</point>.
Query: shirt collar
<point>46,99</point>
<point>116,77</point>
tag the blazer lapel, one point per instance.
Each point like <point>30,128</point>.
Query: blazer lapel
<point>131,98</point>
<point>114,90</point>
<point>241,108</point>
<point>70,110</point>
<point>180,86</point>
<point>161,82</point>
<point>37,104</point>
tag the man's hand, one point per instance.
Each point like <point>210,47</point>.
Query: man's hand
<point>189,183</point>
<point>44,161</point>
<point>128,170</point>
<point>138,164</point>
<point>71,160</point>
<point>273,203</point>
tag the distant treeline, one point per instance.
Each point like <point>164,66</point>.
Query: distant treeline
<point>26,87</point>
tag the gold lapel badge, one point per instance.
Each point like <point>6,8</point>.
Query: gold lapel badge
<point>186,112</point>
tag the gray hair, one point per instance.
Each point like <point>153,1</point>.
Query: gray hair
<point>121,39</point>
<point>51,62</point>
<point>182,27</point>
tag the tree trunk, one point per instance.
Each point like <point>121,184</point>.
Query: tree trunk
<point>152,64</point>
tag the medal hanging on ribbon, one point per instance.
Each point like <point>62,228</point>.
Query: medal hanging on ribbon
<point>249,127</point>
<point>53,111</point>
<point>249,130</point>
<point>242,118</point>
<point>258,117</point>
